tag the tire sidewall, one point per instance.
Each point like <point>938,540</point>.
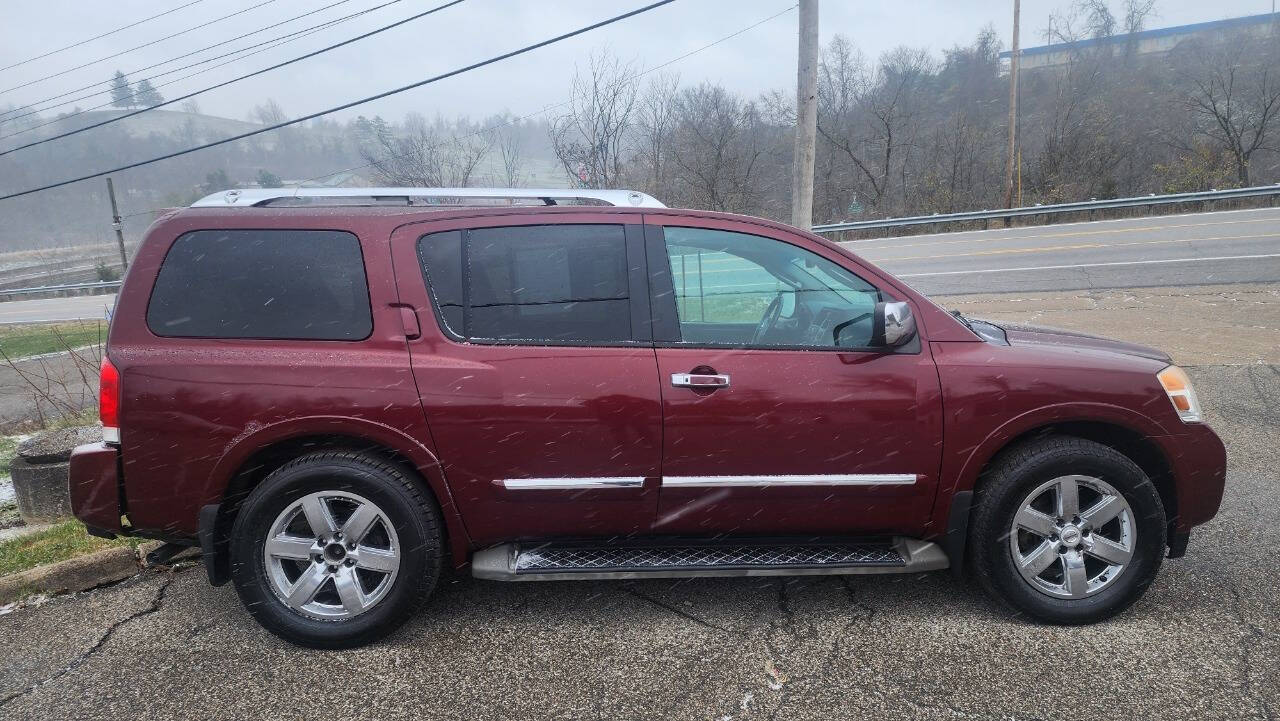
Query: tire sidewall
<point>1149,521</point>
<point>420,551</point>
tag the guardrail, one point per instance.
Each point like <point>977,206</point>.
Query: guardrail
<point>58,288</point>
<point>1088,205</point>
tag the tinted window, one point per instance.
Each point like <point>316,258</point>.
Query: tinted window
<point>307,284</point>
<point>545,283</point>
<point>745,290</point>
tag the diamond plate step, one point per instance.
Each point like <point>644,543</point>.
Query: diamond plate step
<point>558,561</point>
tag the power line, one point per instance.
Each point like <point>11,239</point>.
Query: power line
<point>536,113</point>
<point>352,104</point>
<point>546,109</point>
<point>549,108</point>
<point>138,47</point>
<point>103,35</point>
<point>225,83</point>
<point>270,44</point>
<point>184,55</point>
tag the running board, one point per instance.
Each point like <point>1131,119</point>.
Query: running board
<point>687,559</point>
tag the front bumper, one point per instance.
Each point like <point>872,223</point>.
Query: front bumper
<point>95,487</point>
<point>1199,465</point>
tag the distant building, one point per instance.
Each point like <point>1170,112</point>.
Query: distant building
<point>1147,42</point>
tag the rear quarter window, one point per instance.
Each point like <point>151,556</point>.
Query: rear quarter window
<point>281,284</point>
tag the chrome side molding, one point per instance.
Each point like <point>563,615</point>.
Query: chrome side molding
<point>854,479</point>
<point>561,484</point>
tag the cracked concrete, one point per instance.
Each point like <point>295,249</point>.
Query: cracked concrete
<point>1204,643</point>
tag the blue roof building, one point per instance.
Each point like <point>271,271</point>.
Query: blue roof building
<point>1146,42</point>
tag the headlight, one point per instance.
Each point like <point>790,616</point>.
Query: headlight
<point>1183,397</point>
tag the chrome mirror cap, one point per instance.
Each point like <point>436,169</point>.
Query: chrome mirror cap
<point>893,325</point>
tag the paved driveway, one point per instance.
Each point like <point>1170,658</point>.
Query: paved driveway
<point>1202,644</point>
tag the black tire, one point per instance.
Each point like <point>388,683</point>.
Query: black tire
<point>1017,473</point>
<point>408,507</point>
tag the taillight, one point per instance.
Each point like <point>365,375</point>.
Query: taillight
<point>109,401</point>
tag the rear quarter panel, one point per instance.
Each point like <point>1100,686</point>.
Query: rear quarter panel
<point>192,409</point>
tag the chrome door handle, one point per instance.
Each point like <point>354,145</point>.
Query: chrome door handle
<point>699,380</point>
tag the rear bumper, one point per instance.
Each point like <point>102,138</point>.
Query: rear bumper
<point>95,487</point>
<point>1199,465</point>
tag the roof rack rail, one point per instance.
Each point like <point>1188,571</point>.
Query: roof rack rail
<point>264,197</point>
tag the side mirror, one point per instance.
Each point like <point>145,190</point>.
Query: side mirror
<point>892,325</point>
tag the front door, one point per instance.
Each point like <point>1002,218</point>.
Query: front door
<point>778,416</point>
<point>536,371</point>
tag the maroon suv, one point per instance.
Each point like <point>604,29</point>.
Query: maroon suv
<point>337,394</point>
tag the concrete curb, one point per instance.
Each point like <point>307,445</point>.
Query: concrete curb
<point>74,574</point>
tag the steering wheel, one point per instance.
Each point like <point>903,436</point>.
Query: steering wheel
<point>770,317</point>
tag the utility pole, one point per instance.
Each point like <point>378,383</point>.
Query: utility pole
<point>806,117</point>
<point>1013,111</point>
<point>118,224</point>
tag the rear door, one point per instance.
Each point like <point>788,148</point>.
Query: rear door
<point>536,371</point>
<point>771,425</point>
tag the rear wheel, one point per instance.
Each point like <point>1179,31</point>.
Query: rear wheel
<point>335,549</point>
<point>1067,530</point>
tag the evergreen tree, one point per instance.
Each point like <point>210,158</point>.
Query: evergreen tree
<point>121,95</point>
<point>217,180</point>
<point>268,179</point>
<point>146,95</point>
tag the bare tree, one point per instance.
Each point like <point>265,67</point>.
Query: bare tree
<point>269,113</point>
<point>718,150</point>
<point>1136,13</point>
<point>870,118</point>
<point>655,118</point>
<point>1234,94</point>
<point>421,156</point>
<point>590,138</point>
<point>511,149</point>
<point>843,84</point>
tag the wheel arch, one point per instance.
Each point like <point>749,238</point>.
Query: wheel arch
<point>1127,432</point>
<point>255,455</point>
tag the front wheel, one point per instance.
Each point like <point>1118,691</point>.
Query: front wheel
<point>1067,530</point>
<point>335,549</point>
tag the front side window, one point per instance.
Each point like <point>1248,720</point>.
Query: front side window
<point>548,284</point>
<point>285,284</point>
<point>747,290</point>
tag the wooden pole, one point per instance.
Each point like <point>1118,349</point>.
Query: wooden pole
<point>118,224</point>
<point>1013,110</point>
<point>806,117</point>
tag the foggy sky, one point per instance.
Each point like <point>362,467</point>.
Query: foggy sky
<point>755,62</point>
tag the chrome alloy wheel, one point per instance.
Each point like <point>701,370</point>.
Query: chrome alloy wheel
<point>332,555</point>
<point>1064,551</point>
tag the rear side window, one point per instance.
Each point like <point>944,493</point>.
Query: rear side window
<point>544,284</point>
<point>287,284</point>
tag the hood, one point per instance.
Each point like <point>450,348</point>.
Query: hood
<point>1019,334</point>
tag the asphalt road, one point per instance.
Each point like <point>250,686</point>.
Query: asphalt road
<point>1228,247</point>
<point>56,309</point>
<point>1202,644</point>
<point>1240,246</point>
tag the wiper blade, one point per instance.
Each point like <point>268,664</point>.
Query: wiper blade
<point>962,319</point>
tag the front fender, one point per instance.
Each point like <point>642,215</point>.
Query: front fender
<point>963,466</point>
